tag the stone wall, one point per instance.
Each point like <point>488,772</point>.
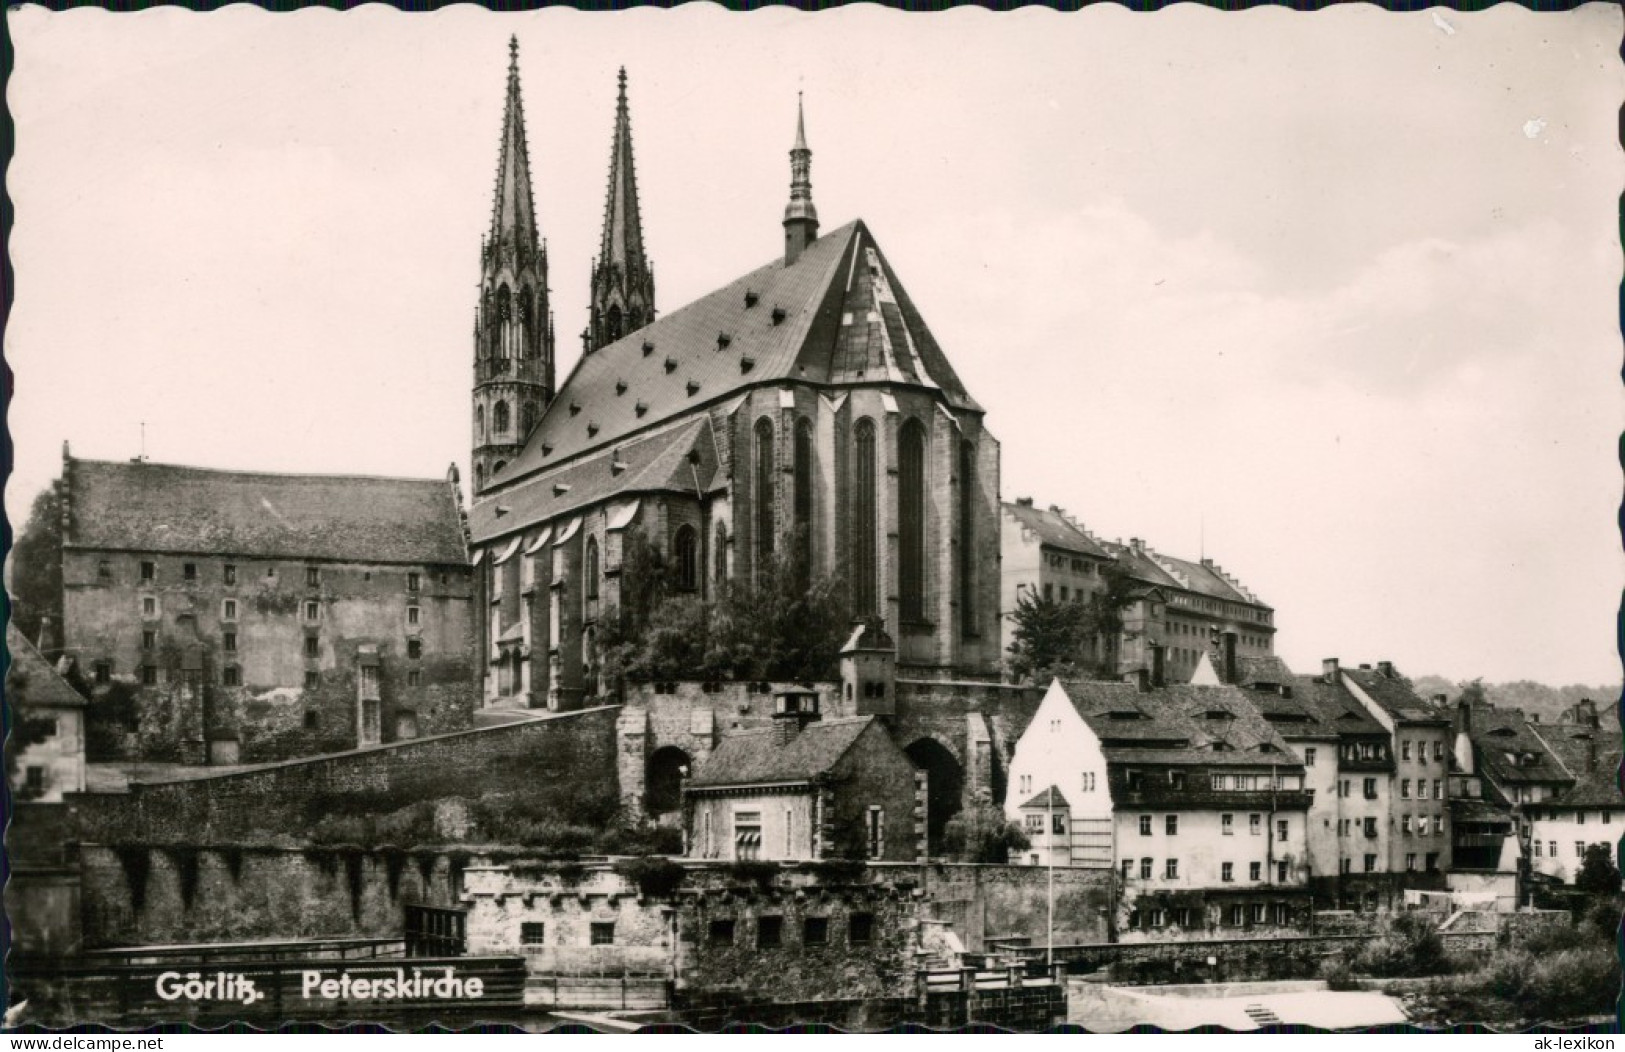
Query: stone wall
<point>139,896</point>
<point>568,757</point>
<point>980,903</point>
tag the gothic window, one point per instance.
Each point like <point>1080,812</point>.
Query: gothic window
<point>688,557</point>
<point>863,547</point>
<point>499,419</point>
<point>804,495</point>
<point>527,419</point>
<point>911,520</point>
<point>592,569</point>
<point>479,423</point>
<point>967,549</point>
<point>479,476</point>
<point>613,323</point>
<point>636,319</point>
<point>722,557</point>
<point>496,469</point>
<point>527,321</point>
<point>504,317</point>
<point>764,493</point>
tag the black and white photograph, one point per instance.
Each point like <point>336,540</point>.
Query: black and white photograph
<point>701,519</point>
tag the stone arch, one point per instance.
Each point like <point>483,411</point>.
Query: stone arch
<point>944,789</point>
<point>663,780</point>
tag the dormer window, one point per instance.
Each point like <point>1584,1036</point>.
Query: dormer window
<point>671,365</point>
<point>693,387</point>
<point>750,299</point>
<point>575,409</point>
<point>778,315</point>
<point>648,348</point>
<point>723,340</point>
<point>641,408</point>
<point>746,363</point>
<point>546,449</point>
<point>592,429</point>
<point>620,387</point>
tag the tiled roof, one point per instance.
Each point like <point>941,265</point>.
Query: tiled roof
<point>756,757</point>
<point>1333,706</point>
<point>1394,695</point>
<point>839,321</point>
<point>1054,529</point>
<point>1262,668</point>
<point>1179,715</point>
<point>1165,571</point>
<point>31,682</point>
<point>1597,788</point>
<point>140,506</point>
<point>1463,809</point>
<point>1048,800</point>
<point>651,463</point>
<point>1499,733</point>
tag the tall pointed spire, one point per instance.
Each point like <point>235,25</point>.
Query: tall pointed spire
<point>800,215</point>
<point>513,334</point>
<point>623,284</point>
<point>513,213</point>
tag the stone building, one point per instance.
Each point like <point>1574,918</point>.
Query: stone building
<point>807,789</point>
<point>225,617</point>
<point>1179,610</point>
<point>802,409</point>
<point>38,695</point>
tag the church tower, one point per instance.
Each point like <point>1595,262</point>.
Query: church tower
<point>513,323</point>
<point>800,216</point>
<point>623,283</point>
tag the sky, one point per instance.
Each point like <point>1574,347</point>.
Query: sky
<point>1327,298</point>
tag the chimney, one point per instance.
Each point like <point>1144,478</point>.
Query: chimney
<point>1024,502</point>
<point>1230,672</point>
<point>792,711</point>
<point>1386,668</point>
<point>1141,678</point>
<point>1159,665</point>
<point>1329,669</point>
<point>1588,713</point>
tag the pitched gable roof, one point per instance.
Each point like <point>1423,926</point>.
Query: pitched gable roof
<point>1334,707</point>
<point>1053,528</point>
<point>845,318</point>
<point>1505,743</point>
<point>758,758</point>
<point>1048,800</point>
<point>1174,723</point>
<point>140,506</point>
<point>1395,696</point>
<point>31,682</point>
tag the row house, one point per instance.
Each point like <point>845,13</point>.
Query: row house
<point>231,616</point>
<point>1186,791</point>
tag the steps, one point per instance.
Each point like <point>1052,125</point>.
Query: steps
<point>1262,1016</point>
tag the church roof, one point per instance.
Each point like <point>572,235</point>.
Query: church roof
<point>31,682</point>
<point>758,758</point>
<point>144,507</point>
<point>658,462</point>
<point>838,315</point>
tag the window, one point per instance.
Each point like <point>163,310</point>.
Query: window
<point>1026,783</point>
<point>228,642</point>
<point>1088,781</point>
<point>1371,863</point>
<point>149,606</point>
<point>1145,825</point>
<point>1438,825</point>
<point>1134,780</point>
<point>1343,788</point>
<point>413,677</point>
<point>1176,779</point>
<point>1370,788</point>
<point>861,929</point>
<point>1405,789</point>
<point>104,570</point>
<point>149,639</point>
<point>313,577</point>
<point>592,573</point>
<point>1235,917</point>
<point>1227,872</point>
<point>1035,823</point>
<point>412,582</point>
<point>1404,750</point>
<point>149,571</point>
<point>313,646</point>
<point>149,675</point>
<point>815,931</point>
<point>1255,871</point>
<point>36,779</point>
<point>1553,846</point>
<point>876,832</point>
<point>687,546</point>
<point>1405,825</point>
<point>532,933</point>
<point>1371,826</point>
<point>1309,757</point>
<point>1438,750</point>
<point>863,517</point>
<point>1433,862</point>
<point>1438,789</point>
<point>765,494</point>
<point>104,671</point>
<point>1537,848</point>
<point>1171,824</point>
<point>1145,869</point>
<point>313,610</point>
<point>967,539</point>
<point>1281,872</point>
<point>189,571</point>
<point>1255,912</point>
<point>747,834</point>
<point>1218,783</point>
<point>1345,866</point>
<point>769,932</point>
<point>1410,862</point>
<point>1227,825</point>
<point>1255,825</point>
<point>603,933</point>
<point>721,933</point>
<point>911,520</point>
<point>1171,869</point>
<point>1281,831</point>
<point>313,679</point>
<point>1128,867</point>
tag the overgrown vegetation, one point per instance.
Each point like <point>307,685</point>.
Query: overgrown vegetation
<point>36,566</point>
<point>1074,638</point>
<point>982,833</point>
<point>653,876</point>
<point>782,624</point>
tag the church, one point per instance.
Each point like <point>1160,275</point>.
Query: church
<point>804,404</point>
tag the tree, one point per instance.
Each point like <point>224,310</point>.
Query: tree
<point>1070,637</point>
<point>982,833</point>
<point>1598,876</point>
<point>1473,694</point>
<point>36,565</point>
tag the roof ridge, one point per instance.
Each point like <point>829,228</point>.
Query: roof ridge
<point>440,480</point>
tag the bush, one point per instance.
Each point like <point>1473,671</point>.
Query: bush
<point>1409,947</point>
<point>837,870</point>
<point>640,840</point>
<point>981,833</point>
<point>655,877</point>
<point>1339,976</point>
<point>750,872</point>
<point>1572,983</point>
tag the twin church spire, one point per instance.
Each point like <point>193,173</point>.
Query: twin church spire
<point>513,325</point>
